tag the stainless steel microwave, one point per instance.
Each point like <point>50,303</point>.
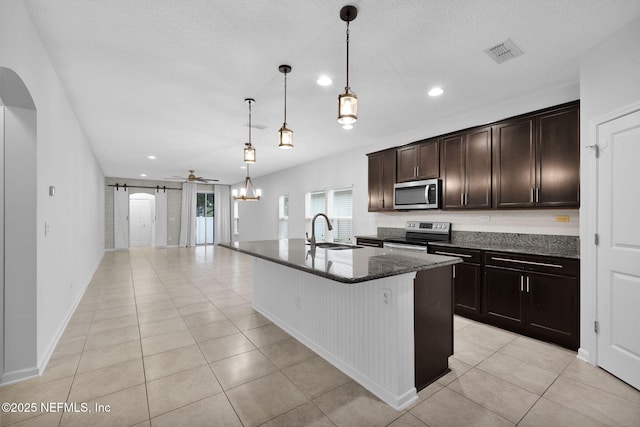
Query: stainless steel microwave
<point>417,194</point>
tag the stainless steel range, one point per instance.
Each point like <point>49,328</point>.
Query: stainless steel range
<point>419,233</point>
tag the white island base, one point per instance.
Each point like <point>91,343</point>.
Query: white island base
<point>365,329</point>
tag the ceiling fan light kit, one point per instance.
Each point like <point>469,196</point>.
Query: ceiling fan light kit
<point>348,101</point>
<point>248,192</point>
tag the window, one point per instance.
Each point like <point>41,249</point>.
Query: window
<point>341,215</point>
<point>236,219</point>
<point>283,217</point>
<point>338,205</point>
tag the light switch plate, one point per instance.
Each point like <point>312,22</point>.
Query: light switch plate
<point>52,190</point>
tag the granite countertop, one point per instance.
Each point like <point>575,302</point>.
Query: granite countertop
<point>347,265</point>
<point>513,248</point>
<point>528,244</point>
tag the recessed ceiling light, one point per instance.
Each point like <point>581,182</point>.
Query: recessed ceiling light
<point>347,127</point>
<point>143,174</point>
<point>436,91</point>
<point>151,157</point>
<point>324,81</point>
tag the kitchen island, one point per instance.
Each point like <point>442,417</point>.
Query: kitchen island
<point>382,316</point>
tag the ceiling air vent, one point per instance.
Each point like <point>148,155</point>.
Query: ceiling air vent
<point>504,51</point>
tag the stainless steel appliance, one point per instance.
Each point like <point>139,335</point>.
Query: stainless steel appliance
<point>423,194</point>
<point>418,234</point>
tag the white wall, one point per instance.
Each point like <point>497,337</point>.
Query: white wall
<point>608,81</point>
<point>69,254</point>
<point>259,220</point>
<point>19,145</point>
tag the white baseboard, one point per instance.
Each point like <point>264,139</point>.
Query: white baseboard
<point>19,375</point>
<point>584,355</point>
<point>44,361</point>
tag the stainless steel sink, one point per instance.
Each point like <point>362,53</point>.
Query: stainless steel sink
<point>336,246</point>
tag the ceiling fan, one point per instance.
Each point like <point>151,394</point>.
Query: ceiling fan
<point>192,178</point>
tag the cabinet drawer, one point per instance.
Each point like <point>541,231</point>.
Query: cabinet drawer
<point>364,241</point>
<point>467,255</point>
<point>542,264</point>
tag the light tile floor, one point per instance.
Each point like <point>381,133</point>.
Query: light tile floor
<point>168,338</point>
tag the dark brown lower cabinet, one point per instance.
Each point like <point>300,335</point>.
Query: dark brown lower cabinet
<point>533,295</point>
<point>467,280</point>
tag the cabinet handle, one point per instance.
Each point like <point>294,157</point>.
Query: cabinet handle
<point>527,284</point>
<point>521,283</point>
<point>533,194</point>
<point>466,199</point>
<point>373,245</point>
<point>462,199</point>
<point>517,261</point>
<point>538,195</point>
<point>452,254</point>
<point>454,271</point>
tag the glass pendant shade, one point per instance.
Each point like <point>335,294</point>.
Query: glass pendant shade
<point>347,108</point>
<point>249,153</point>
<point>285,137</point>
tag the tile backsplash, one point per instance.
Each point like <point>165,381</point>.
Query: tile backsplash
<point>532,221</point>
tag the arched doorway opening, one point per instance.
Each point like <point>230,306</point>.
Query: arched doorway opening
<point>18,237</point>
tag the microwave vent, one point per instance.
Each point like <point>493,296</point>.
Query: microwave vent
<point>504,51</point>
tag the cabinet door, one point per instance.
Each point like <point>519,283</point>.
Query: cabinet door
<point>453,170</point>
<point>558,158</point>
<point>552,308</point>
<point>503,299</point>
<point>428,165</point>
<point>388,179</point>
<point>375,182</point>
<point>478,169</point>
<point>514,163</point>
<point>466,289</point>
<point>406,163</point>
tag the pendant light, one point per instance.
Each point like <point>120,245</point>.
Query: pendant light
<point>285,139</point>
<point>249,150</point>
<point>247,191</point>
<point>348,101</point>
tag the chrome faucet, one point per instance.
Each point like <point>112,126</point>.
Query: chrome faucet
<point>312,239</point>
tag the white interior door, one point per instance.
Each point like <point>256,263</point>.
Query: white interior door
<point>618,254</point>
<point>161,220</point>
<point>140,222</point>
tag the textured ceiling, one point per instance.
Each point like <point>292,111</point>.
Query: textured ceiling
<point>168,77</point>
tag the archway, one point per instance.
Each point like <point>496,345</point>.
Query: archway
<point>18,216</point>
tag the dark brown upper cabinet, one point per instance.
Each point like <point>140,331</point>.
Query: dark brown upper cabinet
<point>466,170</point>
<point>418,161</point>
<point>536,160</point>
<point>382,174</point>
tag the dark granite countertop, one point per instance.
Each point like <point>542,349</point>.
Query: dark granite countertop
<point>348,265</point>
<point>528,244</point>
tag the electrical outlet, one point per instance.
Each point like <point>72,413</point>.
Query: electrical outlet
<point>386,297</point>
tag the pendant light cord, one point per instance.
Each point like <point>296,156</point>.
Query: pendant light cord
<point>285,99</point>
<point>249,124</point>
<point>347,87</point>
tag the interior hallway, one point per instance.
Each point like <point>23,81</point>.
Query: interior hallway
<point>168,337</point>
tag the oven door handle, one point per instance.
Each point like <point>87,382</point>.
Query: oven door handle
<point>404,246</point>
